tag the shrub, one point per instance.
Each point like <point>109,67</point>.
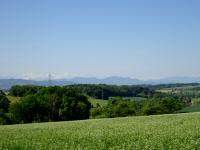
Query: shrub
<point>116,107</point>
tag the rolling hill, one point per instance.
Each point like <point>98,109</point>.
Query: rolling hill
<point>180,132</point>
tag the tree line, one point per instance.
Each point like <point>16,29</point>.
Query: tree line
<point>99,91</point>
<point>47,104</point>
<point>43,104</point>
<point>120,107</point>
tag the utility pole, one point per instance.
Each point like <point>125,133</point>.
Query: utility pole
<point>102,93</point>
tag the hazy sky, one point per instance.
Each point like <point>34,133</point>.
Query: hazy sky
<point>132,38</point>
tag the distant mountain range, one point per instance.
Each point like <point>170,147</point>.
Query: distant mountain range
<point>130,81</point>
<point>7,83</point>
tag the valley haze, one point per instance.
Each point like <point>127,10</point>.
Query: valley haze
<point>112,80</point>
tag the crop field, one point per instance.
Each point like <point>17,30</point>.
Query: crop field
<point>183,90</point>
<point>175,132</point>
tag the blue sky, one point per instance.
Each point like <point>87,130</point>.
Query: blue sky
<point>132,38</point>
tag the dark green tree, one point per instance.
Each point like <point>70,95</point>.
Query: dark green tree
<point>4,102</point>
<point>74,107</point>
<point>51,104</point>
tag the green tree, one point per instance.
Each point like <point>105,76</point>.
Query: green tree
<point>51,104</point>
<point>116,107</point>
<point>4,105</point>
<point>4,102</point>
<point>30,109</point>
<point>74,107</point>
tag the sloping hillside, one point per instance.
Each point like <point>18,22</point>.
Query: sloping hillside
<point>180,131</point>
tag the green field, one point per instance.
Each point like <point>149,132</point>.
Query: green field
<point>183,90</point>
<point>180,131</point>
<point>94,101</point>
<point>13,99</point>
<point>190,109</point>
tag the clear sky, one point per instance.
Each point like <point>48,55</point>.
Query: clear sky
<point>99,38</point>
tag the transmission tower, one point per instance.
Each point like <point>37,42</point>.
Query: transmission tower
<point>49,81</point>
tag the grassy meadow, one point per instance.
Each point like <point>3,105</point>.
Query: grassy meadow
<point>13,99</point>
<point>94,101</point>
<point>180,131</point>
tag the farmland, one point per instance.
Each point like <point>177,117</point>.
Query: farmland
<point>192,91</point>
<point>189,90</point>
<point>180,131</point>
